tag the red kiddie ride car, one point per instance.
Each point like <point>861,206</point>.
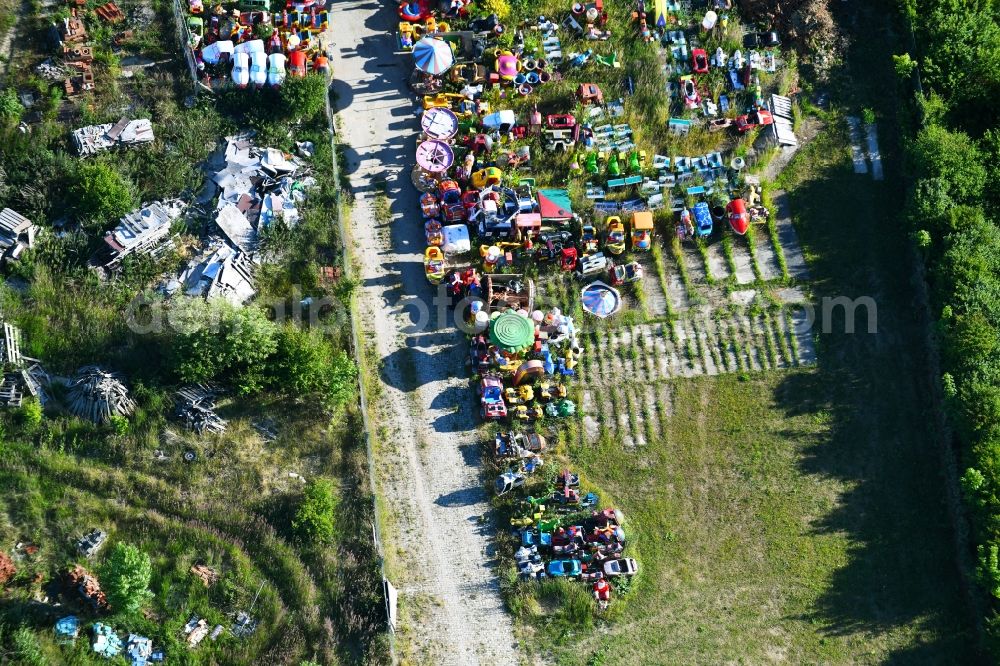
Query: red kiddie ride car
<point>491,404</point>
<point>699,61</point>
<point>739,220</point>
<point>450,199</point>
<point>559,121</point>
<point>758,118</point>
<point>297,63</point>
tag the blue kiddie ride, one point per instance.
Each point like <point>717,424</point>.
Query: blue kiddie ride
<point>565,568</point>
<point>702,220</point>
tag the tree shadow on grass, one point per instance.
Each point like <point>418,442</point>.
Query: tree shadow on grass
<point>901,572</point>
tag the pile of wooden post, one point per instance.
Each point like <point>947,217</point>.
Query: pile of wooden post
<point>98,395</point>
<point>208,575</point>
<point>196,406</point>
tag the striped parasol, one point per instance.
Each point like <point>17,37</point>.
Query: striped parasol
<point>433,56</point>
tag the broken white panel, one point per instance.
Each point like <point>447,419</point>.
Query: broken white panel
<point>237,228</point>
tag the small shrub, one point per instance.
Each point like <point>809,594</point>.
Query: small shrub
<point>101,193</point>
<point>125,576</point>
<point>30,415</point>
<point>314,519</point>
<point>922,239</point>
<point>26,649</point>
<point>499,7</point>
<point>904,65</point>
<point>119,424</point>
<point>10,106</point>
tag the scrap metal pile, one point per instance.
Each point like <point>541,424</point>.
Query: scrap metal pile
<point>256,188</point>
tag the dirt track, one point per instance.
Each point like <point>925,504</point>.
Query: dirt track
<point>427,456</point>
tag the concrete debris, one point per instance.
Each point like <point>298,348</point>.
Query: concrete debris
<point>91,543</point>
<point>142,231</point>
<point>17,234</point>
<point>95,138</point>
<point>266,429</point>
<point>196,630</point>
<point>262,185</point>
<point>107,642</point>
<point>196,406</point>
<point>244,625</point>
<point>97,395</point>
<point>139,650</point>
<point>237,228</point>
<point>50,71</point>
<point>220,272</point>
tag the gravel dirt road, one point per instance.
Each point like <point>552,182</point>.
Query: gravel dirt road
<point>438,543</point>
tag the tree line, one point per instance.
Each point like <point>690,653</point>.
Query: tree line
<point>953,157</point>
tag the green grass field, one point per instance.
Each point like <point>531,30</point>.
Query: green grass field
<point>792,516</point>
<point>231,510</point>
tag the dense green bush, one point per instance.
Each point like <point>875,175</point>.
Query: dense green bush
<point>960,41</point>
<point>314,519</point>
<point>954,160</point>
<point>215,340</point>
<point>10,105</point>
<point>100,193</point>
<point>241,346</point>
<point>306,364</point>
<point>303,97</point>
<point>125,576</point>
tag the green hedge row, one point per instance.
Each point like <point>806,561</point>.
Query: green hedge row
<point>954,159</point>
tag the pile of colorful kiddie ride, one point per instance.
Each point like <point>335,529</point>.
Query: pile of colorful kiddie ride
<point>464,163</point>
<point>489,225</point>
<point>523,361</point>
<point>562,533</point>
<point>244,44</point>
<point>471,160</point>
